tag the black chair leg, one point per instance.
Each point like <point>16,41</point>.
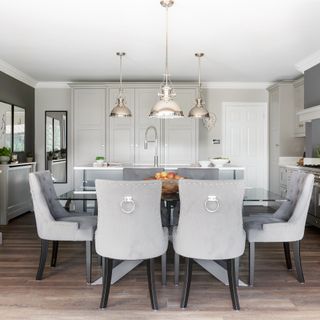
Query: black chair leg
<point>187,282</point>
<point>297,261</point>
<point>107,265</point>
<point>88,261</point>
<point>151,284</point>
<point>43,258</point>
<point>55,247</point>
<point>251,262</point>
<point>233,283</point>
<point>286,247</point>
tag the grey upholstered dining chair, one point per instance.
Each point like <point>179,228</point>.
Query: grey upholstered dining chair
<point>55,224</point>
<point>199,173</point>
<point>129,228</point>
<point>286,225</point>
<point>210,227</point>
<point>137,174</point>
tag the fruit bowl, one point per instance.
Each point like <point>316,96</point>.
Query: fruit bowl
<point>219,162</point>
<point>170,181</point>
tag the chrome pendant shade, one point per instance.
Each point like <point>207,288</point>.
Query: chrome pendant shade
<point>166,107</point>
<point>120,110</point>
<point>199,110</point>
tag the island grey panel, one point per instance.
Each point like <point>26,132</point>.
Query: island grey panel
<point>15,92</point>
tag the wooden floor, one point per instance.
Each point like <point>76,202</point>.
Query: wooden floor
<point>64,294</point>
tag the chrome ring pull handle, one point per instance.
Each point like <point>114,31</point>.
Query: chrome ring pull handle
<point>127,205</point>
<point>210,200</point>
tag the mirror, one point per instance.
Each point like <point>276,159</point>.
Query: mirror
<point>5,125</point>
<point>18,129</point>
<point>56,145</point>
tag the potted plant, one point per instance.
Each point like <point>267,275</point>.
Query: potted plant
<point>50,155</point>
<point>100,159</point>
<point>5,154</point>
<point>29,157</point>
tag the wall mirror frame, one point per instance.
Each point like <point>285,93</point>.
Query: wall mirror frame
<point>12,127</point>
<point>56,144</point>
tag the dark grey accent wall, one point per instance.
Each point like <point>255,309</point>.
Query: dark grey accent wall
<point>15,92</point>
<point>312,99</point>
<point>312,87</point>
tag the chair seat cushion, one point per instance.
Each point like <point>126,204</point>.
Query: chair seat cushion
<point>257,221</point>
<point>86,226</point>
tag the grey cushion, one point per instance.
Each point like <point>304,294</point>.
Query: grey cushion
<point>137,174</point>
<point>199,173</point>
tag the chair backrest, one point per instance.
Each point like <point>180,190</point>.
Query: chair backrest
<point>41,210</point>
<point>299,215</point>
<point>295,186</point>
<point>129,220</point>
<point>137,174</point>
<point>199,173</point>
<point>210,224</point>
<point>47,188</point>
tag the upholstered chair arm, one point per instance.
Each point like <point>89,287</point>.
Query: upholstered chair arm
<point>59,231</point>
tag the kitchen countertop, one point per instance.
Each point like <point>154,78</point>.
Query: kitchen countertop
<point>166,167</point>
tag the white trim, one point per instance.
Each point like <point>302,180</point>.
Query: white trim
<point>52,85</point>
<point>17,74</point>
<point>309,114</point>
<point>308,62</point>
<point>237,85</point>
<point>266,132</point>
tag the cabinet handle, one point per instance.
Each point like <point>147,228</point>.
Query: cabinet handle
<point>300,125</point>
<point>277,145</point>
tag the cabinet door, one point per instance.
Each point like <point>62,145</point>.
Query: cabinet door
<point>181,135</point>
<point>300,130</point>
<point>121,133</point>
<point>145,99</point>
<point>89,109</point>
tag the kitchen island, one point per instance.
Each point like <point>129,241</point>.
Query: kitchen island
<point>84,176</point>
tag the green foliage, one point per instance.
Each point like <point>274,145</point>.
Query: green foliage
<point>99,158</point>
<point>6,152</point>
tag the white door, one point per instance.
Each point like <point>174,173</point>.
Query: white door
<point>145,99</point>
<point>181,135</point>
<point>121,133</point>
<point>245,140</point>
<point>89,109</point>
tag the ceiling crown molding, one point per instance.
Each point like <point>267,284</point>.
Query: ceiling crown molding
<point>237,85</point>
<point>17,74</point>
<point>308,62</point>
<point>52,85</point>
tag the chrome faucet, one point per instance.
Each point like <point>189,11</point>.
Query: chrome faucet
<point>146,142</point>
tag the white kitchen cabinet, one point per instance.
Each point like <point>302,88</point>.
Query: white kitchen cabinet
<point>300,129</point>
<point>89,120</point>
<point>122,139</point>
<point>282,140</point>
<point>181,135</point>
<point>145,98</point>
<point>121,133</point>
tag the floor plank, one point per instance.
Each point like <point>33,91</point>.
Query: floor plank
<point>64,294</point>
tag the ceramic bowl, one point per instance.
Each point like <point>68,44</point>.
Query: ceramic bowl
<point>218,163</point>
<point>204,163</point>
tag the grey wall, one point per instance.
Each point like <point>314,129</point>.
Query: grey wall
<point>15,92</point>
<point>311,99</point>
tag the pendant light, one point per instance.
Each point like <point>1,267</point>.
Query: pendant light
<point>199,110</point>
<point>166,107</point>
<point>120,110</point>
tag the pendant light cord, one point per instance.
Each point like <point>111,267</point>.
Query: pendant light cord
<point>167,31</point>
<point>120,90</point>
<point>199,77</point>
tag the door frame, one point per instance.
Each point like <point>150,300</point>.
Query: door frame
<point>265,107</point>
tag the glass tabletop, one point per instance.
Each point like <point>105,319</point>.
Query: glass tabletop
<point>251,194</point>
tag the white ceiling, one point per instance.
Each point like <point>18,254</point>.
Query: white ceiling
<point>76,40</point>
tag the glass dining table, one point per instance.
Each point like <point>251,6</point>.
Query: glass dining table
<point>253,196</point>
